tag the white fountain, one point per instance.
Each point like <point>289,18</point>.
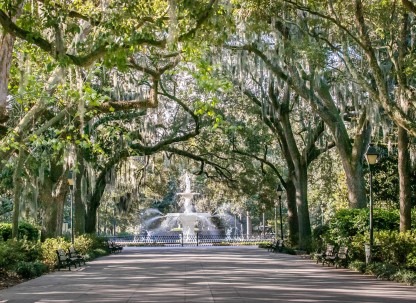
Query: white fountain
<point>189,219</point>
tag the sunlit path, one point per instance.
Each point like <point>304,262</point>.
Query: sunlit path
<point>206,274</point>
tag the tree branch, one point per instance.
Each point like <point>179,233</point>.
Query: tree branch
<point>409,5</point>
<point>222,171</point>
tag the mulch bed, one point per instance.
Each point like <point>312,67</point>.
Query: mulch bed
<point>7,281</point>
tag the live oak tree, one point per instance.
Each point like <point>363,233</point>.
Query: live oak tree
<point>375,42</point>
<point>283,43</point>
<point>80,34</point>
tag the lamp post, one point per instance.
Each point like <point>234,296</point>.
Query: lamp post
<point>279,191</point>
<point>371,156</point>
<point>275,220</point>
<point>263,206</point>
<point>71,187</point>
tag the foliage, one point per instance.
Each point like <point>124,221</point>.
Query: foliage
<point>6,206</point>
<point>350,227</point>
<point>49,248</point>
<point>384,271</point>
<point>26,231</point>
<point>5,231</point>
<point>265,244</point>
<point>13,251</point>
<point>357,266</point>
<point>405,276</point>
<point>397,248</point>
<point>347,223</point>
<point>29,270</point>
<point>91,246</point>
<point>318,235</point>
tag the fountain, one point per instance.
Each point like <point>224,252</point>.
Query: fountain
<point>189,219</point>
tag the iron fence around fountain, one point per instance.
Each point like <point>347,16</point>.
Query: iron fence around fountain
<point>190,240</point>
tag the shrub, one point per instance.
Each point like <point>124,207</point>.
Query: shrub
<point>383,271</point>
<point>88,243</point>
<point>5,231</point>
<point>26,231</point>
<point>13,251</point>
<point>397,248</point>
<point>357,266</point>
<point>49,248</point>
<point>98,252</point>
<point>29,270</point>
<point>356,247</point>
<point>84,243</point>
<point>264,244</point>
<point>405,276</point>
<point>348,223</point>
<point>318,236</point>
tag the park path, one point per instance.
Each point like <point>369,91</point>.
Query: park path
<point>205,274</point>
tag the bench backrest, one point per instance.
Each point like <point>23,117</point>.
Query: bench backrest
<point>343,252</point>
<point>330,250</point>
<point>61,254</point>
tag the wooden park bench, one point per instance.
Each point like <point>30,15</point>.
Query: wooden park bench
<point>65,260</point>
<point>328,256</point>
<point>74,254</point>
<point>113,247</point>
<point>342,257</point>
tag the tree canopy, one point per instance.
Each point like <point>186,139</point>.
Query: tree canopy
<point>244,94</point>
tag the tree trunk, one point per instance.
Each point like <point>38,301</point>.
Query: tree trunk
<point>292,213</point>
<point>6,52</point>
<point>79,208</point>
<point>305,233</point>
<point>404,168</point>
<point>53,197</point>
<point>17,191</point>
<point>79,205</point>
<point>355,182</point>
<point>93,204</point>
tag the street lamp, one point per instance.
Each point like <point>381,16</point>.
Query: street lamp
<point>263,206</point>
<point>275,219</point>
<point>371,156</point>
<point>71,187</point>
<point>279,191</point>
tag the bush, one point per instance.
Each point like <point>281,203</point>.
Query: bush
<point>382,271</point>
<point>397,248</point>
<point>84,243</point>
<point>29,270</point>
<point>405,276</point>
<point>26,231</point>
<point>348,223</point>
<point>13,251</point>
<point>265,244</point>
<point>5,231</point>
<point>49,248</point>
<point>98,252</point>
<point>318,236</point>
<point>357,266</point>
<point>89,245</point>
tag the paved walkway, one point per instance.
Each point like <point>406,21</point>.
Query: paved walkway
<point>206,274</point>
